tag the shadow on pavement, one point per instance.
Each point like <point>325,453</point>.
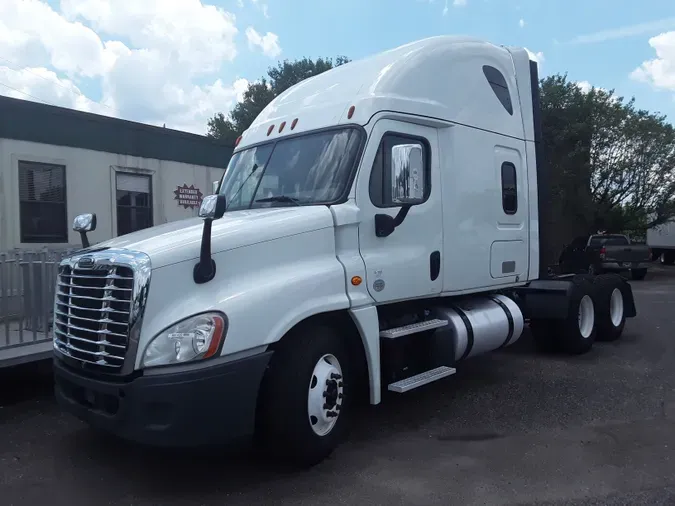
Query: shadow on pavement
<point>25,382</point>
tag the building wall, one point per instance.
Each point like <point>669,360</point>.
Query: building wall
<point>90,187</point>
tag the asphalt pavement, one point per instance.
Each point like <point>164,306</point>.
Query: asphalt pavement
<point>513,427</point>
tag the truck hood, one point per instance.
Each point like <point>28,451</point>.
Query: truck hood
<point>180,241</point>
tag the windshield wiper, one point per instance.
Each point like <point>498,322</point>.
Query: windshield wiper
<point>281,198</point>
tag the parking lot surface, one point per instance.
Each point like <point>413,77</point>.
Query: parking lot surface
<point>514,427</point>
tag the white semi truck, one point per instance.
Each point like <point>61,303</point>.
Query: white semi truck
<point>376,225</point>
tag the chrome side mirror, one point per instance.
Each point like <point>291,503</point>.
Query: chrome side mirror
<point>84,223</point>
<point>212,207</point>
<point>408,184</point>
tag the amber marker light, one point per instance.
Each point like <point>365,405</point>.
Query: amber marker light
<point>356,280</point>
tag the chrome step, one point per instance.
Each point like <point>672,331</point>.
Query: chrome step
<point>421,379</point>
<point>413,328</point>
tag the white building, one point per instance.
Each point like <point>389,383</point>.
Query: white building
<point>56,163</point>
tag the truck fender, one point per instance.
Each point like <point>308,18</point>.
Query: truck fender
<point>549,298</point>
<point>368,325</point>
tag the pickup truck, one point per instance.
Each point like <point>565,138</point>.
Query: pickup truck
<point>599,253</point>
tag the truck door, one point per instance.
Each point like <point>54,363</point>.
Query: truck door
<point>405,263</point>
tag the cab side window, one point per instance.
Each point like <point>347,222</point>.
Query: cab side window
<point>380,175</point>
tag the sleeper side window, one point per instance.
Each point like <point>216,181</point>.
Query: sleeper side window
<point>499,87</point>
<point>509,188</point>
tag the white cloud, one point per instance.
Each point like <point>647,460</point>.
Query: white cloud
<point>155,61</point>
<point>584,86</point>
<point>45,86</point>
<point>625,31</point>
<point>660,71</point>
<point>538,57</point>
<point>187,31</point>
<point>268,43</point>
<point>32,33</point>
<point>262,7</point>
<point>521,23</point>
<point>459,3</point>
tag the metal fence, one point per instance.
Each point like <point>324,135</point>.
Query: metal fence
<point>27,284</point>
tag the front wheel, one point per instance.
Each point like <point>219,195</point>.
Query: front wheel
<point>305,400</point>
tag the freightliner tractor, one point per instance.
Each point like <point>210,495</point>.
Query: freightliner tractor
<point>377,225</point>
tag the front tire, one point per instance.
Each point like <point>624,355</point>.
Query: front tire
<point>610,311</point>
<point>305,397</point>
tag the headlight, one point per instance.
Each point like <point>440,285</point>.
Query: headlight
<point>195,338</point>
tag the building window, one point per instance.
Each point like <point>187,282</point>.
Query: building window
<point>43,212</point>
<point>380,175</point>
<point>509,188</point>
<point>134,202</point>
<point>499,87</point>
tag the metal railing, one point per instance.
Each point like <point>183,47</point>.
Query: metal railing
<point>27,284</point>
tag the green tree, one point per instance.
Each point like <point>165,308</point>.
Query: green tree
<point>566,138</point>
<point>612,165</point>
<point>260,93</point>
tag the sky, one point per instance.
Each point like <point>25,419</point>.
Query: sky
<point>178,62</point>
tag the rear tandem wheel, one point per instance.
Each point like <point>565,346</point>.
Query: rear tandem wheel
<point>576,333</point>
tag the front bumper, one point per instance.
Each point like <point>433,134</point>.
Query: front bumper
<point>205,406</point>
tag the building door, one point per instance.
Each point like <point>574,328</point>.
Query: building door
<point>134,202</point>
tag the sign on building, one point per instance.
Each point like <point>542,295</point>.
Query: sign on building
<point>188,196</point>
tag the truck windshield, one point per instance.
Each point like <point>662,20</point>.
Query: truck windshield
<point>609,240</point>
<point>308,169</point>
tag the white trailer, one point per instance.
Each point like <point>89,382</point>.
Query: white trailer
<point>377,225</point>
<point>661,240</point>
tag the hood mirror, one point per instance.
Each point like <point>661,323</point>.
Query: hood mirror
<point>212,208</point>
<point>84,223</point>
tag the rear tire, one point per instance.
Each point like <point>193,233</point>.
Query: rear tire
<point>577,331</point>
<point>638,274</point>
<point>611,307</point>
<point>305,398</point>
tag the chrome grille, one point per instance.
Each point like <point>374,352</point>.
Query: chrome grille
<point>92,314</point>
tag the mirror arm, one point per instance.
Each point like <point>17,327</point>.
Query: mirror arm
<point>213,207</point>
<point>402,213</point>
<point>84,239</point>
<point>205,270</point>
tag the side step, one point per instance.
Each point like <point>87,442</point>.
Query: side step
<point>421,379</point>
<point>413,328</point>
